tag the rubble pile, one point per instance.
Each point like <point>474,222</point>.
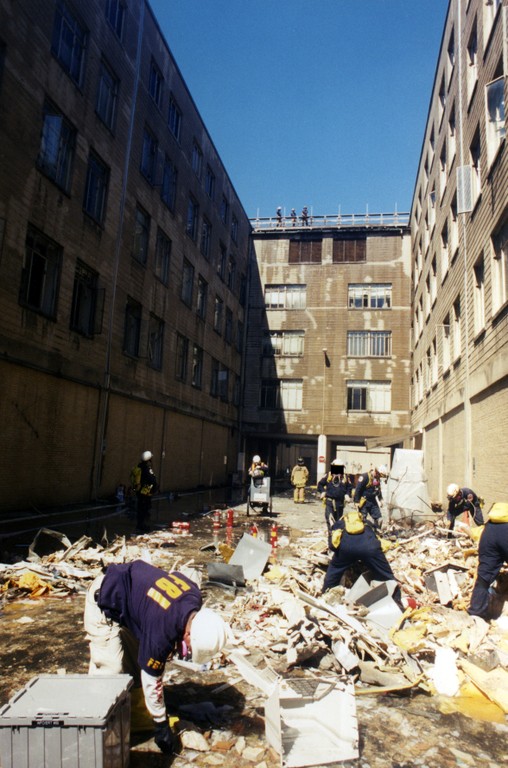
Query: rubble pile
<point>284,627</point>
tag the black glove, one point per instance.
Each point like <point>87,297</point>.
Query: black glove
<point>165,738</point>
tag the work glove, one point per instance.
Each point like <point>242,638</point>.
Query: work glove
<point>165,739</point>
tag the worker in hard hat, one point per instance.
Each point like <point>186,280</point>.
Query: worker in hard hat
<point>335,489</point>
<point>258,470</point>
<point>299,479</point>
<point>144,483</point>
<point>136,618</point>
<point>368,494</point>
<point>492,555</point>
<point>462,500</point>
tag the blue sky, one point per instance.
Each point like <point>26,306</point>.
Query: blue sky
<point>311,102</point>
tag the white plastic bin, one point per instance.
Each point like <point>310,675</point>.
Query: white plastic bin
<point>67,721</point>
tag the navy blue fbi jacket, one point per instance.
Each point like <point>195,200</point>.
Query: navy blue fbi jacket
<point>153,604</point>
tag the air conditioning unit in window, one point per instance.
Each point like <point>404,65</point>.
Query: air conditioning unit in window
<point>464,189</point>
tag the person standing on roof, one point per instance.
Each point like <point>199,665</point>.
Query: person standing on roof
<point>463,500</point>
<point>136,618</point>
<point>335,490</point>
<point>299,479</point>
<point>368,493</point>
<point>305,216</point>
<point>279,216</point>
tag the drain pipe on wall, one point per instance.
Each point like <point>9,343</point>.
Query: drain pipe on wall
<point>100,443</point>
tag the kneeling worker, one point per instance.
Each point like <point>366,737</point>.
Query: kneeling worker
<point>354,540</point>
<point>136,617</point>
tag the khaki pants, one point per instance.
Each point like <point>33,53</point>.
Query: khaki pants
<point>299,493</point>
<point>113,649</point>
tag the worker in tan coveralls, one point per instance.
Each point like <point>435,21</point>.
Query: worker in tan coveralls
<point>299,479</point>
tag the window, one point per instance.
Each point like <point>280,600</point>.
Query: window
<point>283,343</point>
<point>162,256</point>
<point>370,296</point>
<point>445,343</point>
<point>445,255</point>
<point>69,42</point>
<point>132,330</point>
<point>174,118</point>
<point>197,366</point>
<point>453,229</point>
<point>490,8</point>
<point>192,217</point>
<point>224,210</point>
<point>210,183</point>
<point>41,273</point>
<point>169,179</point>
<point>202,297</point>
<point>87,302</point>
<point>500,268</point>
<point>242,298</point>
<point>234,228</point>
<point>149,156</point>
<point>472,61</point>
<point>476,185</point>
<point>228,326</point>
<point>432,209</point>
<point>369,343</point>
<point>141,236</point>
<point>231,273</point>
<point>305,251</point>
<point>239,336</point>
<point>197,160</point>
<point>283,394</point>
<point>374,396</point>
<point>285,296</point>
<point>187,282</point>
<point>495,116</point>
<point>96,188</point>
<point>236,390</point>
<point>206,238</point>
<point>155,342</point>
<point>456,330</point>
<point>433,280</point>
<point>182,353</point>
<point>443,170</point>
<point>156,84</point>
<point>214,378</point>
<point>452,136</point>
<point>115,14</point>
<point>218,314</point>
<point>442,98</point>
<point>107,95</point>
<point>479,296</point>
<point>224,384</point>
<point>221,263</point>
<point>56,151</point>
<point>450,62</point>
<point>349,250</point>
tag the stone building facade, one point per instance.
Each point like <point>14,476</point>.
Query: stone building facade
<point>459,232</point>
<point>328,345</point>
<point>123,260</point>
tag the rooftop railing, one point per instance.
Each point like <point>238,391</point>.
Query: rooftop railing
<point>336,220</point>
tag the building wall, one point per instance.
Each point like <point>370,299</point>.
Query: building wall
<point>460,258</point>
<point>325,322</point>
<point>80,375</point>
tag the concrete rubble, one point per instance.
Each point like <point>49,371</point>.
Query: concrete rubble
<point>285,629</point>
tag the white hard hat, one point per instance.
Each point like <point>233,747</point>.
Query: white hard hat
<point>146,456</point>
<point>209,633</point>
<point>256,458</point>
<point>452,490</point>
<point>383,470</point>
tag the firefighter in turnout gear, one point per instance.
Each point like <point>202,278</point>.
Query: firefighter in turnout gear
<point>299,479</point>
<point>368,493</point>
<point>335,489</point>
